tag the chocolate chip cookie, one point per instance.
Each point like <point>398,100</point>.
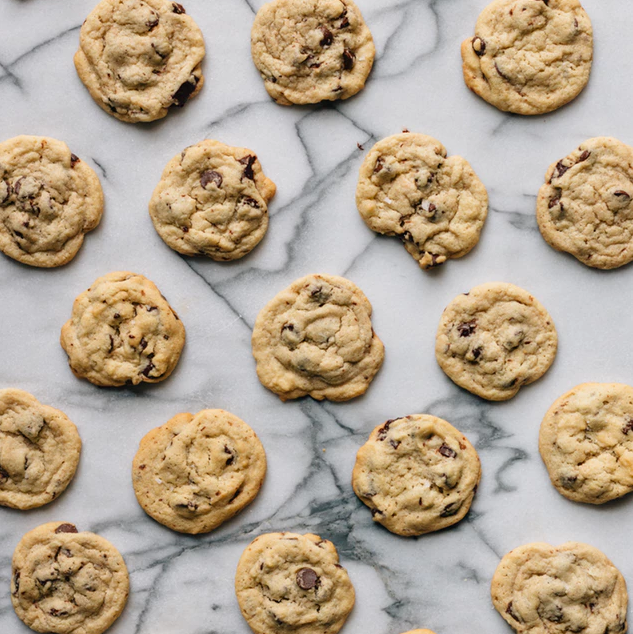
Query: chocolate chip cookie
<point>495,339</point>
<point>309,51</point>
<point>315,338</point>
<point>138,58</point>
<point>212,200</point>
<point>585,207</point>
<point>586,442</point>
<point>122,331</point>
<point>543,589</point>
<point>417,474</point>
<point>39,451</point>
<point>195,472</point>
<point>293,583</point>
<point>529,56</point>
<point>49,199</point>
<point>67,582</point>
<point>435,204</point>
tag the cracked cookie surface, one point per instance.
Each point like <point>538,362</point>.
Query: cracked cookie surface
<point>435,204</point>
<point>309,51</point>
<point>67,582</point>
<point>586,442</point>
<point>585,206</point>
<point>543,589</point>
<point>39,451</point>
<point>495,339</point>
<point>529,56</point>
<point>212,200</point>
<point>315,338</point>
<point>417,474</point>
<point>49,199</point>
<point>138,58</point>
<point>197,471</point>
<point>294,583</point>
<point>122,331</point>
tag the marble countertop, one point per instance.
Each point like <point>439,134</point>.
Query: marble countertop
<point>182,584</point>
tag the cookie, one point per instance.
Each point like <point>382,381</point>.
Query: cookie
<point>195,472</point>
<point>212,200</point>
<point>39,451</point>
<point>417,474</point>
<point>309,51</point>
<point>529,56</point>
<point>585,207</point>
<point>293,583</point>
<point>315,338</point>
<point>122,331</point>
<point>138,58</point>
<point>495,339</point>
<point>67,582</point>
<point>436,205</point>
<point>543,589</point>
<point>586,442</point>
<point>49,199</point>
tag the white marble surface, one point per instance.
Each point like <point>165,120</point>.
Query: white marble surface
<point>182,584</point>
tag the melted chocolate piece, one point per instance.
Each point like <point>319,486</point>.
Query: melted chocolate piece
<point>210,176</point>
<point>66,528</point>
<point>307,579</point>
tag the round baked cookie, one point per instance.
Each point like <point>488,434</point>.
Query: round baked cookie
<point>436,205</point>
<point>122,331</point>
<point>543,589</point>
<point>495,339</point>
<point>195,472</point>
<point>293,583</point>
<point>586,442</point>
<point>67,582</point>
<point>529,56</point>
<point>39,451</point>
<point>138,58</point>
<point>212,200</point>
<point>315,338</point>
<point>417,474</point>
<point>585,207</point>
<point>49,199</point>
<point>309,51</point>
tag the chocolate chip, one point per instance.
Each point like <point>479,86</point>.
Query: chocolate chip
<point>477,352</point>
<point>510,611</point>
<point>178,8</point>
<point>375,512</point>
<point>447,452</point>
<point>568,482</point>
<point>348,59</point>
<point>360,147</point>
<point>74,159</point>
<point>500,73</point>
<point>3,474</point>
<point>467,328</point>
<point>311,63</point>
<point>66,528</point>
<point>289,327</point>
<point>628,427</point>
<point>151,308</point>
<point>231,459</point>
<point>621,194</point>
<point>450,509</point>
<point>553,202</point>
<point>153,23</point>
<point>251,202</point>
<point>327,38</point>
<point>344,20</point>
<point>185,91</point>
<point>210,176</point>
<point>16,583</point>
<point>142,343</point>
<point>394,443</point>
<point>185,229</point>
<point>248,161</point>
<point>17,185</point>
<point>584,156</point>
<point>111,344</point>
<point>382,432</point>
<point>379,164</point>
<point>306,578</point>
<point>148,368</point>
<point>560,169</point>
<point>479,46</point>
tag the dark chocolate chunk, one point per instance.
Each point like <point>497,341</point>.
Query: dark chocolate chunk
<point>344,20</point>
<point>148,368</point>
<point>231,459</point>
<point>450,509</point>
<point>560,169</point>
<point>306,578</point>
<point>74,159</point>
<point>510,611</point>
<point>628,427</point>
<point>568,482</point>
<point>394,443</point>
<point>178,8</point>
<point>379,164</point>
<point>248,161</point>
<point>185,91</point>
<point>584,156</point>
<point>210,176</point>
<point>251,202</point>
<point>66,528</point>
<point>327,38</point>
<point>447,452</point>
<point>382,432</point>
<point>553,202</point>
<point>621,194</point>
<point>348,59</point>
<point>477,352</point>
<point>16,583</point>
<point>479,46</point>
<point>467,328</point>
<point>153,23</point>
